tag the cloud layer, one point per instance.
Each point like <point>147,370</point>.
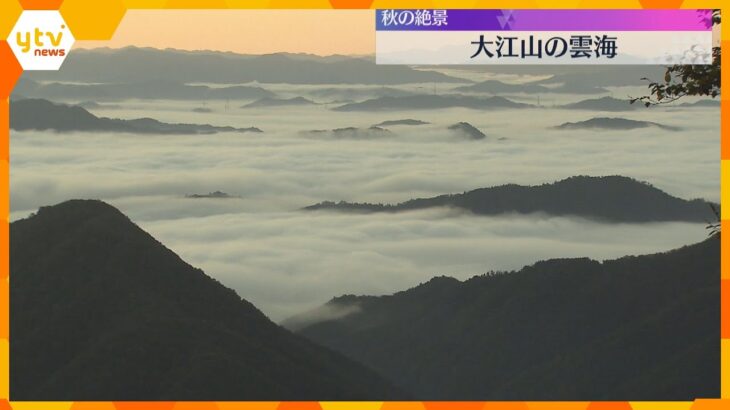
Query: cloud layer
<point>286,261</point>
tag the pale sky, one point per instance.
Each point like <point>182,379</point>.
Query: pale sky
<point>321,32</point>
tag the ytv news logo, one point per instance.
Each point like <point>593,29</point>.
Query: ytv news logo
<point>41,40</point>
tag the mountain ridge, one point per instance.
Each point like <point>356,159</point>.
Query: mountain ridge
<point>611,198</point>
<point>101,310</point>
<point>429,102</point>
<point>560,329</point>
<point>39,114</point>
<point>133,64</point>
<point>613,123</point>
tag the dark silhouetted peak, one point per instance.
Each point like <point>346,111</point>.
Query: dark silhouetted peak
<point>346,299</point>
<point>100,310</point>
<point>77,209</point>
<point>468,131</point>
<point>440,281</point>
<point>564,266</point>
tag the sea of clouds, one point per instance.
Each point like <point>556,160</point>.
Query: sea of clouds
<point>287,261</point>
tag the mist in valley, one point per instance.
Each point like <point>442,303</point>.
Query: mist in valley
<point>286,261</point>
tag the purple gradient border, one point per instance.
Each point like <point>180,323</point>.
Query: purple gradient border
<point>563,20</point>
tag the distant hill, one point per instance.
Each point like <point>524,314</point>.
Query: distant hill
<point>100,310</point>
<point>578,88</point>
<point>499,87</point>
<point>133,65</point>
<point>145,90</point>
<point>279,102</point>
<point>350,133</point>
<point>634,328</point>
<point>430,102</point>
<point>214,195</point>
<point>701,103</point>
<point>36,114</point>
<point>603,104</point>
<point>609,198</point>
<point>84,104</point>
<point>613,124</point>
<point>357,93</point>
<point>390,123</point>
<point>468,131</point>
<point>593,76</point>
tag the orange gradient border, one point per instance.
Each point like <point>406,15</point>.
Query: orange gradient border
<point>98,19</point>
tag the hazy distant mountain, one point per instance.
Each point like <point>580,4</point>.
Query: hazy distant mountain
<point>279,102</point>
<point>357,93</point>
<point>603,104</point>
<point>390,123</point>
<point>36,114</point>
<point>582,75</point>
<point>499,87</point>
<point>147,90</point>
<point>701,103</point>
<point>577,88</point>
<point>100,310</point>
<point>351,133</point>
<point>84,104</point>
<point>132,65</point>
<point>610,198</point>
<point>468,131</point>
<point>595,76</point>
<point>613,124</point>
<point>430,102</point>
<point>213,195</point>
<point>634,328</point>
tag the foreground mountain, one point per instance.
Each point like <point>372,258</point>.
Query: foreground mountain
<point>430,102</point>
<point>634,328</point>
<point>608,123</point>
<point>610,198</point>
<point>35,114</point>
<point>102,311</point>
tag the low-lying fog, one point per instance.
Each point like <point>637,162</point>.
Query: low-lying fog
<point>286,261</point>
